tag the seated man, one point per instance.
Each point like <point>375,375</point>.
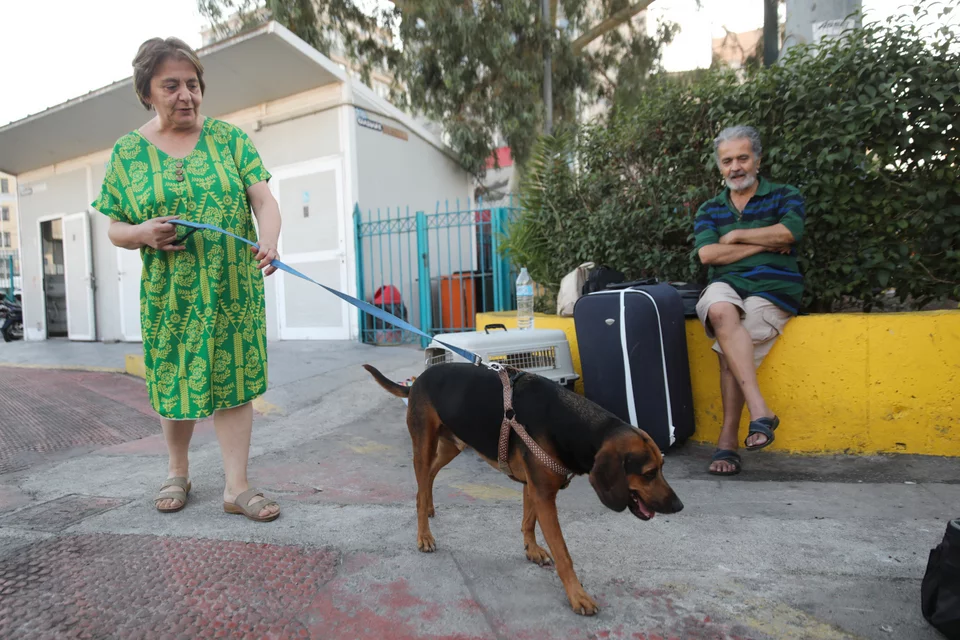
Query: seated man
<point>748,236</point>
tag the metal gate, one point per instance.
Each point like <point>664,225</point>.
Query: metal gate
<point>436,271</point>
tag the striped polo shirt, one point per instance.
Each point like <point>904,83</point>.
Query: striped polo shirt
<point>773,276</point>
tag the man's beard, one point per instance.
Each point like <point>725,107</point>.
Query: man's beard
<point>746,181</point>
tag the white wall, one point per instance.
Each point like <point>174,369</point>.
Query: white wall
<point>297,139</point>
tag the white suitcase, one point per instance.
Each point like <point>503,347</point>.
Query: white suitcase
<point>544,352</point>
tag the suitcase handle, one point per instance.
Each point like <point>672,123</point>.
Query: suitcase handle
<point>633,283</point>
<point>487,327</point>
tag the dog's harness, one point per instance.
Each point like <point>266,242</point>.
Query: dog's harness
<point>510,422</point>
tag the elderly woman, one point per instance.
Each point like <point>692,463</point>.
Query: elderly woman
<point>201,299</point>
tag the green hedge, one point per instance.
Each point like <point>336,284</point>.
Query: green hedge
<point>866,127</point>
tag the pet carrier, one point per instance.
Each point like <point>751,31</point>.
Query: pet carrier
<point>544,352</point>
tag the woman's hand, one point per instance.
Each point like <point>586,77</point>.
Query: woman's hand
<point>265,255</point>
<point>159,234</point>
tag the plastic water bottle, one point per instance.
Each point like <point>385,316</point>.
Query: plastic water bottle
<point>524,300</point>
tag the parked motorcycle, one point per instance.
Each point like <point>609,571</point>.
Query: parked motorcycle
<point>11,319</point>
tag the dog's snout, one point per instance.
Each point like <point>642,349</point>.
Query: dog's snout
<point>671,504</point>
<point>676,505</point>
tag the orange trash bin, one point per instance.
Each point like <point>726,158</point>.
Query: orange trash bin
<point>457,300</point>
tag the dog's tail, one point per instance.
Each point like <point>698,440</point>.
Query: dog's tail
<point>396,389</point>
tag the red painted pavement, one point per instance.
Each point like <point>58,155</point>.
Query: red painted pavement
<point>43,412</point>
<point>98,586</point>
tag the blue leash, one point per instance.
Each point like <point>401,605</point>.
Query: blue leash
<point>366,307</point>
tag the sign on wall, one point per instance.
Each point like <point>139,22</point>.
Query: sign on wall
<point>363,119</point>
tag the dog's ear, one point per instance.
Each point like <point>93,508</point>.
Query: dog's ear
<point>609,479</point>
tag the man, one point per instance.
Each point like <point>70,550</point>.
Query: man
<point>748,236</point>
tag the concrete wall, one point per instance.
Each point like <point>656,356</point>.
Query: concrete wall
<point>810,22</point>
<point>840,383</point>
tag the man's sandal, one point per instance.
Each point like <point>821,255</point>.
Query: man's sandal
<point>173,489</point>
<point>725,455</point>
<point>765,427</point>
<point>252,511</point>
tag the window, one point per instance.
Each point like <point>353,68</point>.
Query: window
<point>6,239</point>
<point>4,185</point>
<point>5,214</point>
<point>382,89</point>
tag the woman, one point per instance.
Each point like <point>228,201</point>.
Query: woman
<point>201,301</point>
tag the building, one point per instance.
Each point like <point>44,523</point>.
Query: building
<point>734,50</point>
<point>9,237</point>
<point>330,142</point>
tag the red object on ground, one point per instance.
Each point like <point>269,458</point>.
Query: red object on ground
<point>387,295</point>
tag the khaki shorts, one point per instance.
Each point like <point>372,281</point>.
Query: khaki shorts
<point>763,320</point>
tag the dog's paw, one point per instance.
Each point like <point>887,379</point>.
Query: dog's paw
<point>431,512</point>
<point>538,555</point>
<point>583,604</point>
<point>426,543</point>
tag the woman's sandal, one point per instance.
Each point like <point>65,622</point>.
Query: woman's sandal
<point>252,511</point>
<point>182,488</point>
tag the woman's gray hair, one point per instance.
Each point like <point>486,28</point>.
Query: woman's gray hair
<point>151,55</point>
<point>738,132</point>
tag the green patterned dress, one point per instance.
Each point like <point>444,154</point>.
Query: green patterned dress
<point>201,309</point>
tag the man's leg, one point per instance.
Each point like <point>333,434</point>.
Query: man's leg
<point>737,346</point>
<point>732,398</point>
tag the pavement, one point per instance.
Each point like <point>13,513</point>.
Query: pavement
<point>795,547</point>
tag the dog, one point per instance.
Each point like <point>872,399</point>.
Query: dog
<point>452,406</point>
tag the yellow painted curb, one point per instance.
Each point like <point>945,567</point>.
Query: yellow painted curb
<point>134,365</point>
<point>840,383</point>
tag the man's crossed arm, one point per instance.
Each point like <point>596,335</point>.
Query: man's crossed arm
<point>776,236</point>
<point>742,243</point>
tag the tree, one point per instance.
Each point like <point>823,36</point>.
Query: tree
<point>867,127</point>
<point>475,66</point>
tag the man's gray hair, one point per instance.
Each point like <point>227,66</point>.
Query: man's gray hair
<point>738,132</point>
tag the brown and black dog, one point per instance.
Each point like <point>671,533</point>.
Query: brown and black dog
<point>457,405</point>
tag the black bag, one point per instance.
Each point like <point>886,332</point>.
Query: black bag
<point>633,355</point>
<point>600,278</point>
<point>940,588</point>
<point>689,293</point>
